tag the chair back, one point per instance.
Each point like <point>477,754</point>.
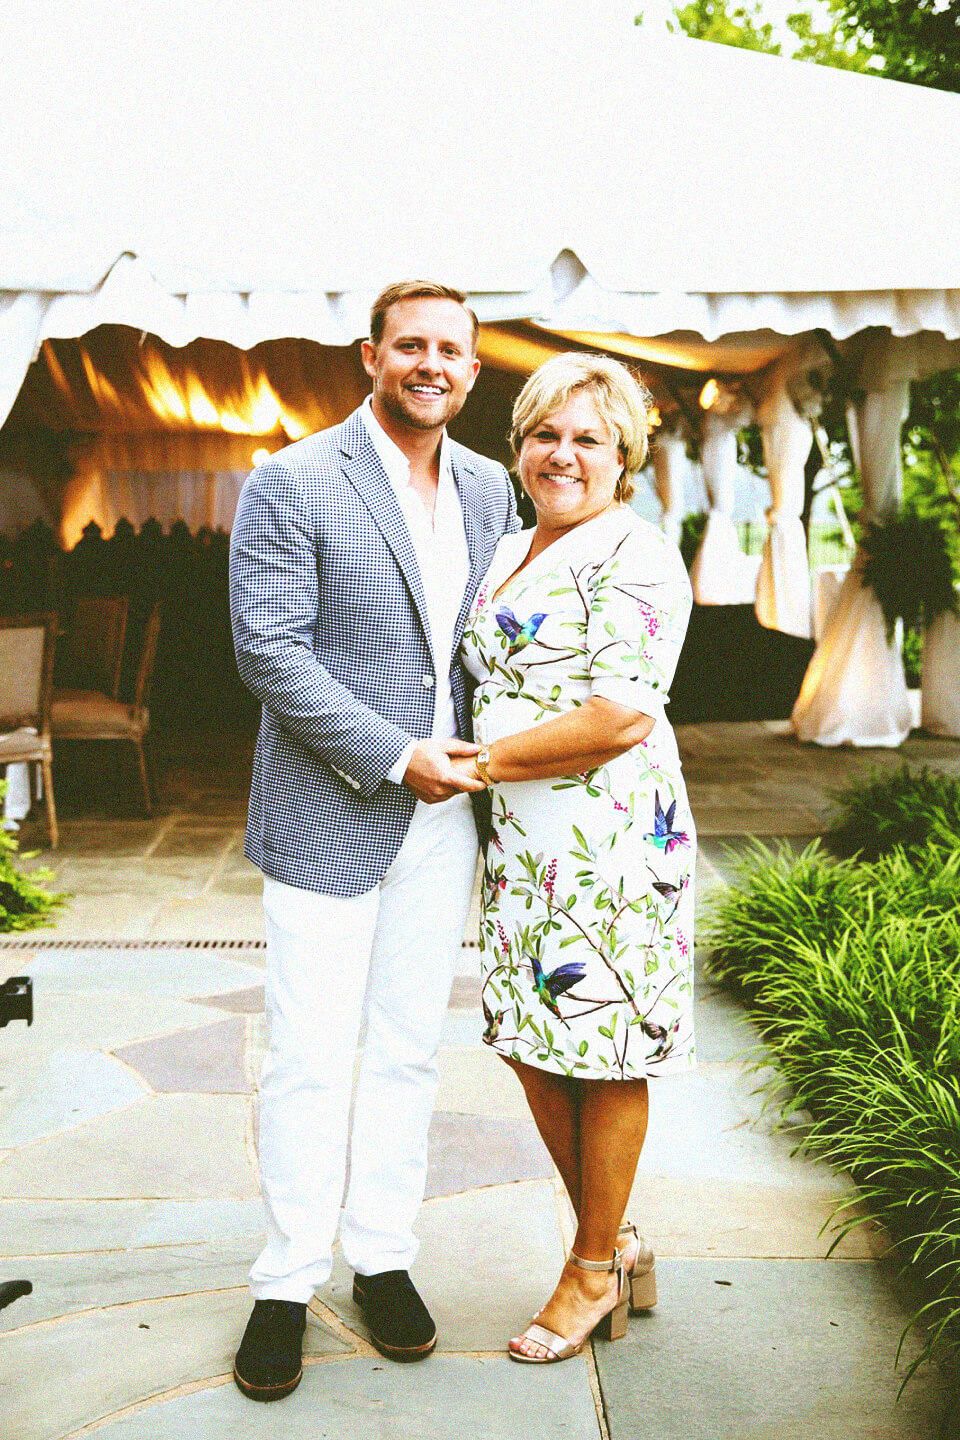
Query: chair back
<point>148,656</point>
<point>26,671</point>
<point>92,653</point>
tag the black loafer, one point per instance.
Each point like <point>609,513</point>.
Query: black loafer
<point>400,1324</point>
<point>268,1364</point>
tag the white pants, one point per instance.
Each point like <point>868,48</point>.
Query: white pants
<point>397,947</point>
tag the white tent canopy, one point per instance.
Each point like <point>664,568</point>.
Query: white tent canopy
<point>265,176</point>
<point>191,169</point>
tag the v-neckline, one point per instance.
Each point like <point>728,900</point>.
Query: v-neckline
<point>527,563</point>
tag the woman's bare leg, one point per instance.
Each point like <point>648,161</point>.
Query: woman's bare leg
<point>554,1106</point>
<point>611,1122</point>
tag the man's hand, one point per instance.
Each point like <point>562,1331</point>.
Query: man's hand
<point>432,777</point>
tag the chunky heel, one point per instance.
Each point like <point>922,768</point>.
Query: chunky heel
<point>614,1325</point>
<point>643,1291</point>
<point>642,1274</point>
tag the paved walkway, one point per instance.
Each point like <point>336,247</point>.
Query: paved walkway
<point>129,1191</point>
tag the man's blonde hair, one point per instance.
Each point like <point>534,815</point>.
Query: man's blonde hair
<point>415,290</point>
<point>620,397</point>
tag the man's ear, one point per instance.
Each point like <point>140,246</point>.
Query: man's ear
<point>475,373</point>
<point>368,357</point>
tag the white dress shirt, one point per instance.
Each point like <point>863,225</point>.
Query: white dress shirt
<point>440,546</point>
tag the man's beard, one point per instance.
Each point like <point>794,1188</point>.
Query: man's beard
<point>395,407</point>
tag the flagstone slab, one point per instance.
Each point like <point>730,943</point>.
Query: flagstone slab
<point>240,1002</point>
<point>88,1020</point>
<point>57,1377</point>
<point>210,917</point>
<point>475,1081</point>
<point>462,1029</point>
<point>445,1398</point>
<point>469,1151</point>
<point>487,1261</point>
<point>158,879</point>
<point>767,1349</point>
<point>212,1059</point>
<point>43,1227</point>
<point>157,972</point>
<point>72,1087</point>
<point>708,1125</point>
<point>702,1217</point>
<point>165,1145</point>
<point>196,841</point>
<point>722,1027</point>
<point>68,1284</point>
<point>103,917</point>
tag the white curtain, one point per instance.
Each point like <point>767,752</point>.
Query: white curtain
<point>721,574</point>
<point>854,691</point>
<point>204,498</point>
<point>940,677</point>
<point>670,468</point>
<point>783,580</point>
<point>21,316</point>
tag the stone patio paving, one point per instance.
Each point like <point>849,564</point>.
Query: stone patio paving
<point>128,1186</point>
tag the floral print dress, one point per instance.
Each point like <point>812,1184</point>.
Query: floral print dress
<point>586,924</point>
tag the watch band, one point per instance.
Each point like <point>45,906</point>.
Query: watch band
<point>482,760</point>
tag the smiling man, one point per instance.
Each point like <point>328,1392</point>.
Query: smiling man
<point>355,556</point>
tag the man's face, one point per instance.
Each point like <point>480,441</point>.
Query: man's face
<point>423,367</point>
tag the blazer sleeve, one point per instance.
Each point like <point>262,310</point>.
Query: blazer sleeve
<point>274,603</point>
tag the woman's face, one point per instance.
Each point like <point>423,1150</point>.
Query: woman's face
<point>570,464</point>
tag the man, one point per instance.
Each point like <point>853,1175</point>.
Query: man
<point>355,556</point>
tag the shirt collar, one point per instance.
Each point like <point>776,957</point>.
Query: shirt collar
<point>392,458</point>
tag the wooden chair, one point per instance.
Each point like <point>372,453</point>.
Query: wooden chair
<point>95,715</point>
<point>90,655</point>
<point>27,644</point>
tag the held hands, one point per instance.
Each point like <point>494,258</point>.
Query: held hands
<point>433,773</point>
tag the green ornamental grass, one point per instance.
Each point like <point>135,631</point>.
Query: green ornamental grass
<point>912,809</point>
<point>851,970</point>
<point>24,900</point>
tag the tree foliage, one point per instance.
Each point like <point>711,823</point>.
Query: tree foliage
<point>913,40</point>
<point>740,25</point>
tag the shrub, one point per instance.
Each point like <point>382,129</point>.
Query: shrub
<point>24,903</point>
<point>852,972</point>
<point>914,809</point>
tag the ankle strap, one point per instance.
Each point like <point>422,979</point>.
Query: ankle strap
<point>609,1265</point>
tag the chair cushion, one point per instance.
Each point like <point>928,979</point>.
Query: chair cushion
<point>91,715</point>
<point>22,744</point>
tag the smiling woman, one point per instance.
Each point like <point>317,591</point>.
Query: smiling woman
<point>587,906</point>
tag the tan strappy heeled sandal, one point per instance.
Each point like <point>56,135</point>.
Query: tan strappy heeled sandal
<point>642,1274</point>
<point>613,1325</point>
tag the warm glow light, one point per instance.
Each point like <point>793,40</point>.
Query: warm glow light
<point>259,456</point>
<point>709,394</point>
<point>653,418</point>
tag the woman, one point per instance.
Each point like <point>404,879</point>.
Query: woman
<point>587,919</point>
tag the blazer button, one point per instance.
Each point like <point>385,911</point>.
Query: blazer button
<point>427,682</point>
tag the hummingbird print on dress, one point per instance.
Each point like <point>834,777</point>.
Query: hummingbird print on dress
<point>549,987</point>
<point>494,1021</point>
<point>663,834</point>
<point>663,1036</point>
<point>664,888</point>
<point>518,632</point>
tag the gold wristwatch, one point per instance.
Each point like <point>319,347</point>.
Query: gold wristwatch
<point>482,760</point>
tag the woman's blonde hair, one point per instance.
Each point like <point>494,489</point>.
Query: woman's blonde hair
<point>621,399</point>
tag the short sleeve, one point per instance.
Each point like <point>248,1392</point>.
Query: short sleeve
<point>640,603</point>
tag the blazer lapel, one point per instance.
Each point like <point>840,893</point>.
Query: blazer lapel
<point>468,488</point>
<point>361,466</point>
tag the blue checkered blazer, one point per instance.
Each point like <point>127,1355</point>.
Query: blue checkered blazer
<point>331,635</point>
